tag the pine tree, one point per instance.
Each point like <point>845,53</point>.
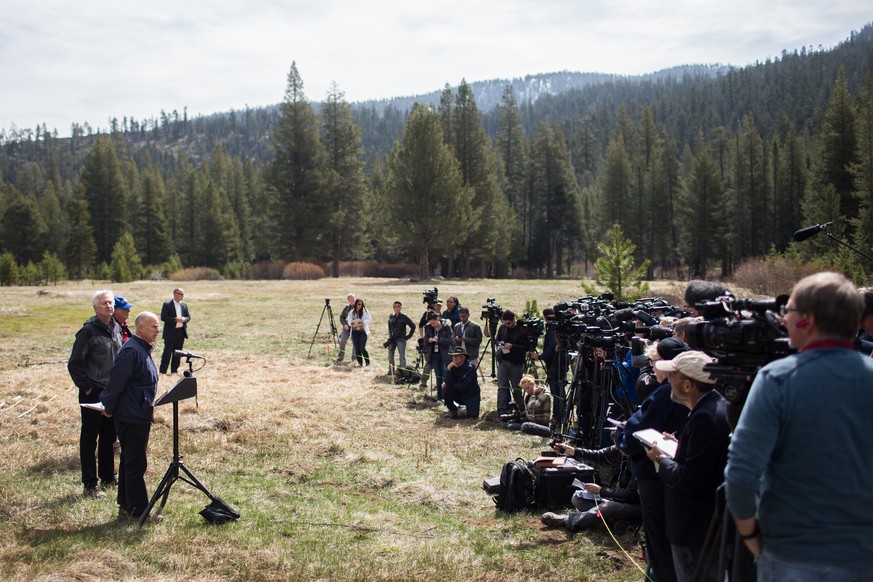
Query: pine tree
<point>512,152</point>
<point>615,267</point>
<point>297,174</point>
<point>23,229</point>
<point>862,169</point>
<point>345,182</point>
<point>150,228</point>
<point>106,193</point>
<point>81,248</point>
<point>703,217</point>
<point>125,265</point>
<point>423,174</point>
<point>557,211</point>
<point>835,154</point>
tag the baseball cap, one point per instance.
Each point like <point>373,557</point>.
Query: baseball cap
<point>689,363</point>
<point>671,347</point>
<point>122,303</point>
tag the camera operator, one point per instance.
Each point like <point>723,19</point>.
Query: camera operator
<point>680,327</point>
<point>452,311</point>
<point>433,307</point>
<point>461,385</point>
<point>620,508</point>
<point>698,291</point>
<point>398,323</point>
<point>557,364</point>
<point>799,482</point>
<point>693,476</point>
<point>438,340</point>
<point>468,335</point>
<point>512,344</point>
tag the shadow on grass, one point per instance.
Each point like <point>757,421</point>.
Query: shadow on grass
<point>55,465</point>
<point>117,530</point>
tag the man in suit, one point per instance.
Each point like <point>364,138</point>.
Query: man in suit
<point>468,335</point>
<point>175,316</point>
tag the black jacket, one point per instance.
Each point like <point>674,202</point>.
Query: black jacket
<point>397,326</point>
<point>168,316</point>
<point>130,393</point>
<point>691,479</point>
<point>92,357</point>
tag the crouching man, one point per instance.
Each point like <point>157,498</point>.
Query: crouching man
<point>461,385</point>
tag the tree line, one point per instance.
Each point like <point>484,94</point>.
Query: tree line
<point>458,191</point>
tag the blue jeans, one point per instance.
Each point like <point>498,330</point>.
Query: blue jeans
<point>774,569</point>
<point>439,371</point>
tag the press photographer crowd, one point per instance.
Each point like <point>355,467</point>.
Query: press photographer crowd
<point>733,434</point>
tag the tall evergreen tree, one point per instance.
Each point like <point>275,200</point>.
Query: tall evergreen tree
<point>345,182</point>
<point>150,227</point>
<point>558,214</point>
<point>106,193</point>
<point>835,154</point>
<point>478,168</point>
<point>862,169</point>
<point>81,248</point>
<point>703,217</point>
<point>512,152</point>
<point>296,175</point>
<point>423,173</point>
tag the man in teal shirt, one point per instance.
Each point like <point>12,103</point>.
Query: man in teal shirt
<point>800,472</point>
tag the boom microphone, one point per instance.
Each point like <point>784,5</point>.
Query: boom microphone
<point>188,355</point>
<point>536,429</point>
<point>804,233</point>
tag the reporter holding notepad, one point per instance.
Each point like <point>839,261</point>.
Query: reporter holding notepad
<point>692,478</point>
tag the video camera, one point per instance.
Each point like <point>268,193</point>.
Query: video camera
<point>533,327</point>
<point>430,297</point>
<point>491,311</point>
<point>743,336</point>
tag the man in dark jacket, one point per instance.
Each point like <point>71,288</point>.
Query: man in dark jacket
<point>692,477</point>
<point>398,324</point>
<point>175,316</point>
<point>512,345</point>
<point>462,385</point>
<point>90,361</point>
<point>129,399</point>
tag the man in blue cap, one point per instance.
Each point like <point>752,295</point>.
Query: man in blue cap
<point>121,315</point>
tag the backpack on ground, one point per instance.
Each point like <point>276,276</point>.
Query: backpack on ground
<point>517,490</point>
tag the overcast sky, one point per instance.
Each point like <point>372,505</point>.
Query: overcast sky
<point>90,60</point>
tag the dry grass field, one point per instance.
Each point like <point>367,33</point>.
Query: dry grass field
<point>338,474</point>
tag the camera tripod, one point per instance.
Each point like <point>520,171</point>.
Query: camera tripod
<point>334,336</point>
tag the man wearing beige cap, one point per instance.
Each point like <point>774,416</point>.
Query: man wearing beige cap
<point>692,477</point>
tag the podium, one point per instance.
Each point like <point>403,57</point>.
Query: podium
<point>185,388</point>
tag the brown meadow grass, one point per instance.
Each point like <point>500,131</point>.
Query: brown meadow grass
<point>338,474</point>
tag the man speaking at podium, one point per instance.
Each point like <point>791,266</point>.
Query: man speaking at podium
<point>129,398</point>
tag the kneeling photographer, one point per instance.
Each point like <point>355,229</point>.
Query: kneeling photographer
<point>461,386</point>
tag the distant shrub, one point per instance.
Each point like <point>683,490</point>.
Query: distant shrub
<point>375,269</point>
<point>171,265</point>
<point>266,270</point>
<point>771,275</point>
<point>302,271</point>
<point>9,271</point>
<point>235,270</point>
<point>197,274</point>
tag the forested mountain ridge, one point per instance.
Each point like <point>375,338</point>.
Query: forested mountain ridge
<point>633,151</point>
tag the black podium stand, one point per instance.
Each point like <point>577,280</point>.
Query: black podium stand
<point>183,389</point>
